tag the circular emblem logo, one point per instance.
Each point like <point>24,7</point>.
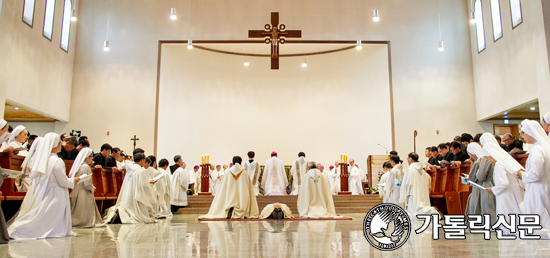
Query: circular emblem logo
<point>387,227</point>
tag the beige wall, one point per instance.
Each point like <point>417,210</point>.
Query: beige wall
<point>115,91</point>
<point>37,73</point>
<point>513,70</point>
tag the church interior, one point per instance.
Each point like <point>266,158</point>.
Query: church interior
<point>205,81</point>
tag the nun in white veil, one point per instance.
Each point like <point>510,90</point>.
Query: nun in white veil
<point>509,191</point>
<point>537,172</point>
<point>474,200</point>
<point>23,183</point>
<point>17,138</point>
<point>84,210</point>
<point>45,211</point>
<point>484,175</point>
<point>545,121</point>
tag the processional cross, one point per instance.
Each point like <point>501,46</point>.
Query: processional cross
<point>134,139</point>
<point>274,34</point>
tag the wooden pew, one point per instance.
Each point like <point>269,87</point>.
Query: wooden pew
<point>447,193</point>
<point>8,189</point>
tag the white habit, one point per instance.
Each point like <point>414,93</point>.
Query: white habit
<point>179,187</point>
<point>355,180</point>
<point>274,179</point>
<point>297,171</point>
<point>415,191</point>
<point>253,169</point>
<point>216,180</point>
<point>334,180</point>
<point>315,200</point>
<point>382,187</point>
<point>235,192</point>
<point>136,199</point>
<point>392,192</point>
<point>45,211</point>
<point>162,187</point>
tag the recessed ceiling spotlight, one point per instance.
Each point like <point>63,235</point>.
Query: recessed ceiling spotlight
<point>505,113</point>
<point>505,116</point>
<point>506,122</point>
<point>533,108</point>
<point>16,108</point>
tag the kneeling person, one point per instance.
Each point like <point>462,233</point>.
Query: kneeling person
<point>315,198</point>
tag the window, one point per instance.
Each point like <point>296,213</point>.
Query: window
<point>497,23</point>
<point>28,12</point>
<point>515,11</point>
<point>480,31</point>
<point>48,19</point>
<point>66,27</point>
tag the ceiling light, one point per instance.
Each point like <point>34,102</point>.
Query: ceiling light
<point>375,15</point>
<point>304,64</point>
<point>358,45</point>
<point>173,15</point>
<point>441,48</point>
<point>472,17</point>
<point>16,108</point>
<point>506,121</point>
<point>505,113</point>
<point>73,14</point>
<point>106,45</point>
<point>505,116</point>
<point>533,108</point>
<point>190,44</point>
<point>246,63</point>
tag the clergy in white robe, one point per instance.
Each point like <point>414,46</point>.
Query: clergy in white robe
<point>297,172</point>
<point>178,186</point>
<point>334,178</point>
<point>315,200</point>
<point>84,210</point>
<point>253,169</point>
<point>149,166</point>
<point>537,172</point>
<point>136,198</point>
<point>18,137</point>
<point>355,183</point>
<point>282,211</point>
<point>394,181</point>
<point>23,183</point>
<point>162,186</point>
<point>415,189</point>
<point>236,199</point>
<point>324,171</point>
<point>509,191</point>
<point>192,177</point>
<point>274,180</point>
<point>198,181</point>
<point>216,176</point>
<point>45,211</point>
<point>383,183</point>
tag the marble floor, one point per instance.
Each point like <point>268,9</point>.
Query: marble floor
<point>183,236</point>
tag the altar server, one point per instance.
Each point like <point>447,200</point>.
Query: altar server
<point>394,181</point>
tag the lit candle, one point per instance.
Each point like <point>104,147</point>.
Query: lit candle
<point>341,158</point>
<point>202,159</point>
<point>207,158</point>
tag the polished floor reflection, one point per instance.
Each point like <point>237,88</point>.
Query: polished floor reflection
<point>183,236</point>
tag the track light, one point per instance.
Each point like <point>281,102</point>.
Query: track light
<point>472,17</point>
<point>106,45</point>
<point>246,63</point>
<point>173,15</point>
<point>73,14</point>
<point>375,15</point>
<point>441,48</point>
<point>190,44</point>
<point>304,63</point>
<point>358,47</point>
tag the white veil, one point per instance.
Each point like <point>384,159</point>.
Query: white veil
<point>82,155</point>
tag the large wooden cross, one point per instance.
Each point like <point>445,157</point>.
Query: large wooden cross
<point>134,139</point>
<point>274,34</point>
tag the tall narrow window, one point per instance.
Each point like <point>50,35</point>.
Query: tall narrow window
<point>515,11</point>
<point>48,19</point>
<point>28,12</point>
<point>66,27</point>
<point>497,23</point>
<point>480,31</point>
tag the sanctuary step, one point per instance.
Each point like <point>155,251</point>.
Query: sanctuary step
<point>199,204</point>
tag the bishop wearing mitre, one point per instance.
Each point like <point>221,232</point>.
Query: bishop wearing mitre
<point>236,198</point>
<point>315,198</point>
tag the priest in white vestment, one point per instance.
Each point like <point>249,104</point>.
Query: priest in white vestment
<point>45,211</point>
<point>508,190</point>
<point>276,211</point>
<point>192,174</point>
<point>253,169</point>
<point>297,172</point>
<point>136,199</point>
<point>162,186</point>
<point>274,180</point>
<point>216,176</point>
<point>537,172</point>
<point>236,199</point>
<point>315,200</point>
<point>355,179</point>
<point>394,181</point>
<point>334,178</point>
<point>179,184</point>
<point>415,189</point>
<point>325,172</point>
